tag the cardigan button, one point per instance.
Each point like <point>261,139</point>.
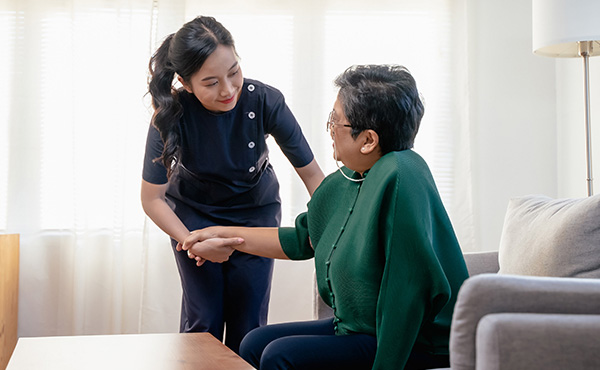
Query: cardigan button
<point>250,87</point>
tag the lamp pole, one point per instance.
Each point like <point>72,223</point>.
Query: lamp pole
<point>585,49</point>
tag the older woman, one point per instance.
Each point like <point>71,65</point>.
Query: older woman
<point>386,257</point>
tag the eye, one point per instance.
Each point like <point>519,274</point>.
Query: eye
<point>235,73</point>
<point>212,84</point>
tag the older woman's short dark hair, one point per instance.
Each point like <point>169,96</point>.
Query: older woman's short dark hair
<point>383,98</point>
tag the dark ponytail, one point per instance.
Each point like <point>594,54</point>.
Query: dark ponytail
<point>182,53</point>
<point>167,109</point>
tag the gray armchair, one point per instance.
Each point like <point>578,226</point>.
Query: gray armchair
<point>524,322</point>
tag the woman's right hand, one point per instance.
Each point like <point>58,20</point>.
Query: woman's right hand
<point>205,244</point>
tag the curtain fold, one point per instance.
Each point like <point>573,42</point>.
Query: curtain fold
<point>74,115</point>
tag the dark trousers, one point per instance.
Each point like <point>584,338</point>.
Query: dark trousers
<point>312,345</point>
<point>225,299</point>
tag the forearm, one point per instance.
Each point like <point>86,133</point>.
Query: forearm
<point>260,241</point>
<point>163,216</point>
<point>311,175</point>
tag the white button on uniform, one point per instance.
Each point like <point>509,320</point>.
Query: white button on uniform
<point>251,169</point>
<point>251,115</point>
<point>251,144</point>
<point>250,87</point>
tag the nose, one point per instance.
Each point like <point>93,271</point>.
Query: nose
<point>226,89</point>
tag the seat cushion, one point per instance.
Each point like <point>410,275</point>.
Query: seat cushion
<point>551,237</point>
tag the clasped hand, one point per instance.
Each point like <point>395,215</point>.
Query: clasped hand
<point>205,245</point>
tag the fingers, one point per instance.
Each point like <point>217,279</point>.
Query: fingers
<point>194,237</point>
<point>199,260</point>
<point>229,242</point>
<point>214,250</point>
<point>215,242</point>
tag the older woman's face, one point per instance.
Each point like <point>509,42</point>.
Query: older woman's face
<point>345,148</point>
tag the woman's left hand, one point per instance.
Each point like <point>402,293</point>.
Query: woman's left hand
<point>203,245</point>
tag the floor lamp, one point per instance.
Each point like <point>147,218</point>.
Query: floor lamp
<point>570,29</point>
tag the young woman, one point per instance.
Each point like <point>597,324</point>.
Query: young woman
<point>206,163</point>
<point>387,260</point>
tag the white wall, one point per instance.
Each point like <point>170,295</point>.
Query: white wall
<point>526,116</point>
<point>512,113</point>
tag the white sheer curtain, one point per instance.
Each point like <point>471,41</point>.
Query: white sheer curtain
<point>73,119</point>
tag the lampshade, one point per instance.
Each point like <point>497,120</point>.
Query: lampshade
<point>559,24</point>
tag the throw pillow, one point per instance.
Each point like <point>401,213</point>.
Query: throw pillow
<point>551,237</point>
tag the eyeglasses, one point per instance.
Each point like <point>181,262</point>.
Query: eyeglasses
<point>330,123</point>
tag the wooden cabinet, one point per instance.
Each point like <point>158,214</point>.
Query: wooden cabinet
<point>9,295</point>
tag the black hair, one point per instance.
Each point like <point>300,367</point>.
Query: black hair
<point>182,53</point>
<point>383,98</point>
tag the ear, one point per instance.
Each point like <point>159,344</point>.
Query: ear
<point>369,141</point>
<point>185,85</point>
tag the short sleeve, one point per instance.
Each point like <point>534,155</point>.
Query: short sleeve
<point>281,123</point>
<point>295,241</point>
<point>154,171</point>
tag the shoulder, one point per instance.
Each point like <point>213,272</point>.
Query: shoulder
<point>329,183</point>
<point>402,174</point>
<point>261,87</point>
<point>405,164</point>
<point>329,193</point>
<point>264,91</point>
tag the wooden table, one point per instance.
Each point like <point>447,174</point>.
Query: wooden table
<point>197,351</point>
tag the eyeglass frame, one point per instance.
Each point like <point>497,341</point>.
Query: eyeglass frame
<point>330,123</point>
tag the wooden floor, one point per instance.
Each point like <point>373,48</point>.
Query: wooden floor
<point>197,351</point>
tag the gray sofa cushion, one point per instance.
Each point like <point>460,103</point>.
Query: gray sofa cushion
<point>551,237</point>
<point>508,341</point>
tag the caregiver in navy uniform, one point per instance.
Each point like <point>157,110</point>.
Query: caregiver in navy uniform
<point>206,163</point>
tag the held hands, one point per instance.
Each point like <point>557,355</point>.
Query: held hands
<point>205,244</point>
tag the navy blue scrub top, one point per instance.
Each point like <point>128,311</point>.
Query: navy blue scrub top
<point>224,176</point>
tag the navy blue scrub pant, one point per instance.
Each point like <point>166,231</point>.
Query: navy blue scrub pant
<point>225,299</point>
<point>313,345</point>
<point>310,345</point>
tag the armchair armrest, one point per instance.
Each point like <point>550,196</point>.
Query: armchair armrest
<point>507,341</point>
<point>491,293</point>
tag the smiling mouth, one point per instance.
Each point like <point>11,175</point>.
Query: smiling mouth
<point>227,101</point>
